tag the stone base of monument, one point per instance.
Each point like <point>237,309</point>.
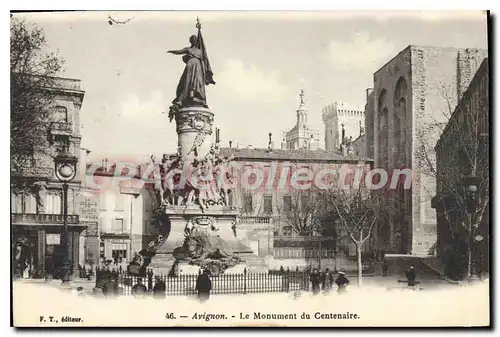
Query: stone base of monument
<point>184,268</point>
<point>238,269</point>
<point>217,221</point>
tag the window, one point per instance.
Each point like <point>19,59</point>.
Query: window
<point>268,204</point>
<point>247,203</point>
<point>61,114</point>
<point>119,253</point>
<point>118,225</point>
<point>287,203</point>
<point>287,230</point>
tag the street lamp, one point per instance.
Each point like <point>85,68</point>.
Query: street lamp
<point>65,170</point>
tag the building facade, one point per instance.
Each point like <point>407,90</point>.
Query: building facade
<point>338,116</point>
<point>301,136</point>
<point>462,150</point>
<point>36,193</point>
<point>409,104</point>
<point>124,223</point>
<point>264,205</point>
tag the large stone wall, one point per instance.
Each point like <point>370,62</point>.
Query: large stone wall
<point>435,78</point>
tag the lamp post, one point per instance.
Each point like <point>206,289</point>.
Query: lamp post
<point>65,171</point>
<point>471,183</point>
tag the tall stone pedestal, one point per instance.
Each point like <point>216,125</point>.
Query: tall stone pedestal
<point>194,126</point>
<point>217,220</point>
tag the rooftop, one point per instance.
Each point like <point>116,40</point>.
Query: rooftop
<point>292,155</point>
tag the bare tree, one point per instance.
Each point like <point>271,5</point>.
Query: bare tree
<point>464,153</point>
<point>32,70</point>
<point>305,213</point>
<point>358,212</point>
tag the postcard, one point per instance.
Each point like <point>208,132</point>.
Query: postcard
<point>252,169</point>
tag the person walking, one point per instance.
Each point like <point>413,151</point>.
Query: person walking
<point>411,276</point>
<point>203,286</point>
<point>385,268</point>
<point>327,284</point>
<point>159,288</point>
<point>315,281</point>
<point>139,289</point>
<point>342,281</point>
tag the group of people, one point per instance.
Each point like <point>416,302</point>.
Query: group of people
<point>324,281</point>
<point>203,287</point>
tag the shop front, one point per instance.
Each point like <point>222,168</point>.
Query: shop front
<point>37,246</point>
<point>116,248</point>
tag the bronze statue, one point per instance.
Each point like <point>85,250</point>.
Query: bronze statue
<point>197,73</point>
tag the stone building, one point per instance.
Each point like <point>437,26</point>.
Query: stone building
<point>124,224</point>
<point>269,196</point>
<point>461,151</point>
<point>412,99</point>
<point>341,115</point>
<point>301,136</point>
<point>36,193</point>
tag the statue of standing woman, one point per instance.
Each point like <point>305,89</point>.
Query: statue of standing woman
<point>197,73</point>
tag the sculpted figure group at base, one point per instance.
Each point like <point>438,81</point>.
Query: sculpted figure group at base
<point>206,181</point>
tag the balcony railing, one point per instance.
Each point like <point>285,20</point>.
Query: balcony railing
<point>256,219</point>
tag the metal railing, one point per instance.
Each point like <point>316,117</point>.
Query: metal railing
<point>243,283</point>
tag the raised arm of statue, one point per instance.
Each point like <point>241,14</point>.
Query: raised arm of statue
<point>178,52</point>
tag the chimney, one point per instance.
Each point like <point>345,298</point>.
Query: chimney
<point>230,144</point>
<point>343,149</point>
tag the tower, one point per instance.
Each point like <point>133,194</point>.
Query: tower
<point>301,136</point>
<point>336,114</point>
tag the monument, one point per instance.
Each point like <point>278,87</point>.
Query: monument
<point>197,224</point>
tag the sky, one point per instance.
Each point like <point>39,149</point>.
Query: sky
<point>260,60</point>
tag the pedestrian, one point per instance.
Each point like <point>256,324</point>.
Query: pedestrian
<point>328,280</point>
<point>315,280</point>
<point>342,281</point>
<point>411,276</point>
<point>385,268</point>
<point>139,289</point>
<point>322,279</point>
<point>110,287</point>
<point>159,288</point>
<point>203,286</point>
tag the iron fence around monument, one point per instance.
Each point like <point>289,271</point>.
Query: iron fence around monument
<point>242,283</point>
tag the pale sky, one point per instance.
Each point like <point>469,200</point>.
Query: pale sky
<point>260,62</point>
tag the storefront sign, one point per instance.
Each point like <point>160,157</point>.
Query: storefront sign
<point>53,239</point>
<point>30,218</point>
<point>88,210</point>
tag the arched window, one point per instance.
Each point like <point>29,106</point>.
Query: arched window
<point>60,114</point>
